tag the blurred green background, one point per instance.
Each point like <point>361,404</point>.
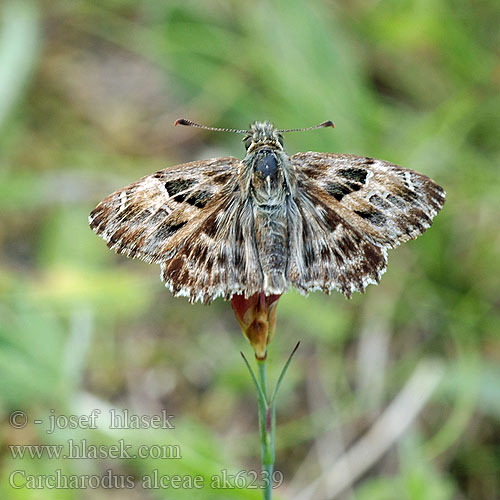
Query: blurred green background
<point>394,394</point>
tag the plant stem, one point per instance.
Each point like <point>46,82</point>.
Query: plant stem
<point>267,418</point>
<point>267,427</point>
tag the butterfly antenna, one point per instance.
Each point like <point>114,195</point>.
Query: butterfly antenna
<point>189,123</point>
<point>328,123</point>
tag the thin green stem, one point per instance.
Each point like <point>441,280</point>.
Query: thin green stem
<point>267,427</point>
<point>267,418</point>
<point>262,365</point>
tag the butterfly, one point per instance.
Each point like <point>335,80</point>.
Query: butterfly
<point>269,222</point>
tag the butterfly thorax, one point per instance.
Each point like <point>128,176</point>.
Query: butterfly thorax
<point>267,182</point>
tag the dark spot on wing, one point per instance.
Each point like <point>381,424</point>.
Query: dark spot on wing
<point>178,186</point>
<point>167,229</point>
<point>117,235</point>
<point>379,202</point>
<point>373,216</point>
<point>210,226</point>
<point>308,254</point>
<point>373,256</point>
<point>237,257</point>
<point>325,253</point>
<point>199,252</point>
<point>133,252</point>
<point>210,263</point>
<point>332,218</point>
<point>174,268</point>
<point>403,178</point>
<point>198,198</point>
<point>222,178</point>
<point>396,201</point>
<point>308,250</point>
<point>353,185</point>
<point>354,174</point>
<point>315,170</point>
<point>339,190</point>
<point>407,194</point>
<point>237,251</point>
<point>425,217</point>
<point>368,160</point>
<point>346,245</point>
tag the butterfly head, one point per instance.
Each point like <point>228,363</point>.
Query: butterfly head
<point>263,135</point>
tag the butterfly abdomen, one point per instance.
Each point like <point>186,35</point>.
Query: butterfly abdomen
<point>271,235</point>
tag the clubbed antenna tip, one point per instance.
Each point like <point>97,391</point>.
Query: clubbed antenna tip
<point>181,121</point>
<point>328,123</point>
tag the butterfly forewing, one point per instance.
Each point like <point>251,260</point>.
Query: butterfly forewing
<point>390,204</point>
<point>150,217</point>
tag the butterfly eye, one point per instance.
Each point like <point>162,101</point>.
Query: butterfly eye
<point>247,141</point>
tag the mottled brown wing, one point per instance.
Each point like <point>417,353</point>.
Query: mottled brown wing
<point>352,209</point>
<point>185,219</point>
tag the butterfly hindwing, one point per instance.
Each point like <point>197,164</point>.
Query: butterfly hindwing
<point>219,257</point>
<point>326,251</point>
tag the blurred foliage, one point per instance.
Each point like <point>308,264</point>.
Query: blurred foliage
<point>88,95</point>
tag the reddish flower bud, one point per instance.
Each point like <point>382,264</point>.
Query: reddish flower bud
<point>257,318</point>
